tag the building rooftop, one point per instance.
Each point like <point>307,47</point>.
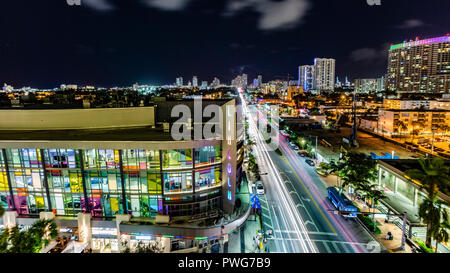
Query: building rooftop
<point>122,134</point>
<point>416,110</point>
<point>403,165</point>
<point>412,43</point>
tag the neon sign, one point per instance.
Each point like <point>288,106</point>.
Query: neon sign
<point>229,171</point>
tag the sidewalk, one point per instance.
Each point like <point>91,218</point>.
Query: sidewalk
<point>245,240</point>
<point>391,245</point>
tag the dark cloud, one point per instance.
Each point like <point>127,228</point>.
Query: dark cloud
<point>411,23</point>
<point>273,15</point>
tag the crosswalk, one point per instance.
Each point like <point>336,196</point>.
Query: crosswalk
<point>326,242</point>
<point>323,245</point>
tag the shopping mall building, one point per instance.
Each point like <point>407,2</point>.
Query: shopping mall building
<point>117,161</point>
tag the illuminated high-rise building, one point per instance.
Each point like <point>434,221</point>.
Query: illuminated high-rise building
<point>179,81</point>
<point>306,77</point>
<point>421,66</point>
<point>195,81</point>
<point>204,85</point>
<point>365,85</point>
<point>325,70</point>
<point>244,80</point>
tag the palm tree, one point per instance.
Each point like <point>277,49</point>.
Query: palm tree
<point>355,170</point>
<point>418,125</point>
<point>434,177</point>
<point>375,195</point>
<point>250,143</point>
<point>441,234</point>
<point>401,125</point>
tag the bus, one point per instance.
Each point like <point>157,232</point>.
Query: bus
<point>341,202</point>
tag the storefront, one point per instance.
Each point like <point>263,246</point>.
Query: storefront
<point>104,240</point>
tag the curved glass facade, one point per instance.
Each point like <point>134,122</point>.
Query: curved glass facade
<point>143,183</point>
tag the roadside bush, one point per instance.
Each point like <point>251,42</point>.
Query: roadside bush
<point>423,246</point>
<point>279,152</point>
<point>368,222</point>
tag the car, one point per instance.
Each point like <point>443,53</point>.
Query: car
<point>301,154</point>
<point>310,162</point>
<point>260,188</point>
<point>439,149</point>
<point>296,148</point>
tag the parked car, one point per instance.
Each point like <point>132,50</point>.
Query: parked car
<point>301,154</point>
<point>310,162</point>
<point>260,188</point>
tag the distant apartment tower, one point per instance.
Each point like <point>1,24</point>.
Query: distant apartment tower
<point>204,85</point>
<point>260,80</point>
<point>241,81</point>
<point>420,66</point>
<point>365,85</point>
<point>215,82</point>
<point>195,81</point>
<point>179,81</point>
<point>244,80</point>
<point>306,77</point>
<point>325,70</point>
<point>338,83</point>
<point>381,84</point>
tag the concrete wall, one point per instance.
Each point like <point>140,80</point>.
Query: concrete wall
<point>62,119</point>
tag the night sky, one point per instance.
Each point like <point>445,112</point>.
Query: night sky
<point>109,43</point>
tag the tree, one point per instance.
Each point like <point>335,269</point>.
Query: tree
<point>39,235</point>
<point>2,210</point>
<point>434,177</point>
<point>374,194</point>
<point>441,234</point>
<point>401,125</point>
<point>356,170</point>
<point>250,143</point>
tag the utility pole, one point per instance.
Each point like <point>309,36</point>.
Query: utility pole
<point>354,129</point>
<point>404,231</point>
<point>316,148</point>
<point>432,143</point>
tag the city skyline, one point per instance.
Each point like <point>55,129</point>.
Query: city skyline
<point>241,39</point>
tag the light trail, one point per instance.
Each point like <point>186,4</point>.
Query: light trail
<point>317,196</point>
<point>286,201</point>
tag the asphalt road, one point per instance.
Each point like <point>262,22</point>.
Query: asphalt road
<point>295,206</point>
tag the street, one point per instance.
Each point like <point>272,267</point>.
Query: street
<point>295,206</point>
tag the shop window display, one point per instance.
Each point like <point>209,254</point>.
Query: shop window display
<point>178,182</point>
<point>177,159</point>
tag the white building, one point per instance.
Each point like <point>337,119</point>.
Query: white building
<point>306,77</point>
<point>195,81</point>
<point>440,104</point>
<point>204,85</point>
<point>179,81</point>
<point>365,85</point>
<point>215,82</point>
<point>381,84</point>
<point>260,80</point>
<point>325,70</point>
